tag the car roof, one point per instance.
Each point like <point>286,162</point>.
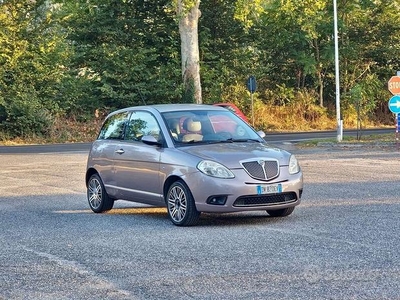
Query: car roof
<point>170,107</point>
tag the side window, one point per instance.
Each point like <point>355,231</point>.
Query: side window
<point>113,127</point>
<point>142,123</point>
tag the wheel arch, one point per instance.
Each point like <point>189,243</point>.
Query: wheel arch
<point>182,210</point>
<point>170,180</point>
<point>89,173</point>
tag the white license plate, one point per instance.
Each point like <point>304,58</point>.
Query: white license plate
<point>269,189</point>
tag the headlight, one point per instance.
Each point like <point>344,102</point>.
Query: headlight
<point>214,169</point>
<point>293,165</point>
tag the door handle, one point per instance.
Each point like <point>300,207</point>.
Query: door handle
<point>120,151</point>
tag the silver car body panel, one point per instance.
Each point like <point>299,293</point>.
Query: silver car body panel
<point>138,172</point>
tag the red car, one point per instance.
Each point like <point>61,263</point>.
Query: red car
<point>233,108</point>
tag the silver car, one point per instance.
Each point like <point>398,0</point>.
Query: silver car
<point>192,159</point>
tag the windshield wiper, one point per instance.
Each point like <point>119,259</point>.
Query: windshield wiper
<point>191,142</point>
<point>231,140</point>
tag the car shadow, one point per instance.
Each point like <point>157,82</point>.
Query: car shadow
<point>239,219</point>
<point>206,219</point>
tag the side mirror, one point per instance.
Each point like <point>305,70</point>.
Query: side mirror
<point>150,140</point>
<point>261,134</point>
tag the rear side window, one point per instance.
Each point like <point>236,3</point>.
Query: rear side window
<point>113,127</point>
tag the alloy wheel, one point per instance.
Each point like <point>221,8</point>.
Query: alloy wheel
<point>177,203</point>
<point>94,193</point>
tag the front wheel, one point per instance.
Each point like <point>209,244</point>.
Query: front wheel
<point>98,199</point>
<point>281,212</point>
<point>180,205</point>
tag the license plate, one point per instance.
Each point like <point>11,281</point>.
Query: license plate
<point>269,189</point>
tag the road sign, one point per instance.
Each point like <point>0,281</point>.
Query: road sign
<point>252,85</point>
<point>394,85</point>
<point>394,104</point>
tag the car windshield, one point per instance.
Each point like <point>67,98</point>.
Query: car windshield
<point>208,126</point>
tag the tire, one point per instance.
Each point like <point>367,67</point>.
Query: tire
<point>281,212</point>
<point>98,199</point>
<point>180,205</point>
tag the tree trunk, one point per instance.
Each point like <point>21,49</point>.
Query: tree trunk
<point>188,29</point>
<point>321,88</point>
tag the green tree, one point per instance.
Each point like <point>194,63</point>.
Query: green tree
<point>125,51</point>
<point>370,48</point>
<point>228,52</point>
<point>31,60</point>
<point>298,36</point>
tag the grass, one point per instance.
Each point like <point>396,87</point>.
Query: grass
<point>365,139</point>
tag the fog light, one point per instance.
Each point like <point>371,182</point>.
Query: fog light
<point>217,200</point>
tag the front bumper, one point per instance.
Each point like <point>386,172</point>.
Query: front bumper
<point>242,192</point>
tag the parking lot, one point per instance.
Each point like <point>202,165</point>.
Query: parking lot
<point>342,242</point>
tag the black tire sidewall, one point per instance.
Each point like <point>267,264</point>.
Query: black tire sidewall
<point>106,202</point>
<point>192,215</point>
<point>281,212</point>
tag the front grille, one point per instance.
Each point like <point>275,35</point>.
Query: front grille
<point>257,200</point>
<point>262,169</point>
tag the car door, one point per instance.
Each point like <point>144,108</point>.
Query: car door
<point>137,165</point>
<point>103,149</point>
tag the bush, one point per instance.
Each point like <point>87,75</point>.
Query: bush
<point>24,117</point>
<point>295,113</point>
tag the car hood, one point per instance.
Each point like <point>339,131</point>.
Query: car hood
<point>230,154</point>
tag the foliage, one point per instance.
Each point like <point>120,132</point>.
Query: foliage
<point>126,52</point>
<point>301,114</point>
<point>77,60</point>
<point>31,59</point>
<point>247,11</point>
<point>25,115</point>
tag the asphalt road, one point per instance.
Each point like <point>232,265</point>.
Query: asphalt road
<point>342,242</point>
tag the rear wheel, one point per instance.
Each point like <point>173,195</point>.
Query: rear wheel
<point>98,199</point>
<point>180,205</point>
<point>281,212</point>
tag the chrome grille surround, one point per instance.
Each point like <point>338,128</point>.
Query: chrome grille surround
<point>261,168</point>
